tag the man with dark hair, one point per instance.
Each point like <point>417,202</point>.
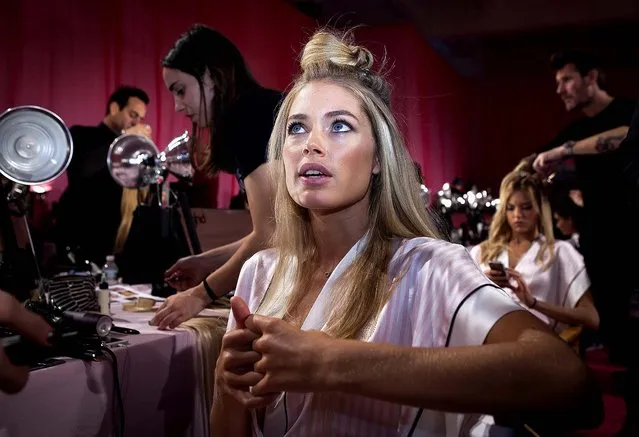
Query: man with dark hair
<point>123,96</point>
<point>604,124</point>
<point>583,62</point>
<point>88,214</point>
<point>593,143</point>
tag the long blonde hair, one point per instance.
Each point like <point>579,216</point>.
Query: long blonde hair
<point>130,200</point>
<point>523,178</point>
<point>209,332</point>
<point>396,209</point>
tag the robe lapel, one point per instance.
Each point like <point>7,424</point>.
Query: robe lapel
<point>321,309</point>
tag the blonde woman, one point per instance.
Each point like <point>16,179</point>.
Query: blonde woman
<point>360,321</point>
<point>547,276</point>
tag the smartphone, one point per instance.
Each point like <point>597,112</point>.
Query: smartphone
<point>497,266</point>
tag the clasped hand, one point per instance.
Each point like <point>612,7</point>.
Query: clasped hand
<point>265,356</point>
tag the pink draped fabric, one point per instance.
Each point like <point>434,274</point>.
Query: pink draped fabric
<point>428,98</point>
<point>69,55</point>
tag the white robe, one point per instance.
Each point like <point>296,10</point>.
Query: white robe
<point>441,299</point>
<point>563,283</point>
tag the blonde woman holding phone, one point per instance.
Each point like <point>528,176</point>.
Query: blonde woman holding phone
<point>547,276</point>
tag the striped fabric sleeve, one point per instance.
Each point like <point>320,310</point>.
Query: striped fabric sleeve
<point>478,313</point>
<point>448,282</point>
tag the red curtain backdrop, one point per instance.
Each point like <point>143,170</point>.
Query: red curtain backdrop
<point>69,55</point>
<point>510,116</point>
<point>428,98</point>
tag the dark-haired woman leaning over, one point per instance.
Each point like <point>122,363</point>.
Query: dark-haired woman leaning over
<point>232,118</point>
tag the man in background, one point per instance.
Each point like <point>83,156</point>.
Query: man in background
<point>88,214</point>
<point>594,143</point>
<point>604,121</point>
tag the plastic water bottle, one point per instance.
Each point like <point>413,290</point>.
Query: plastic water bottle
<point>110,271</point>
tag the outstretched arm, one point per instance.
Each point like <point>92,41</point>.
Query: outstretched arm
<point>584,313</point>
<point>603,142</point>
<point>522,369</point>
<point>261,197</point>
<point>183,306</point>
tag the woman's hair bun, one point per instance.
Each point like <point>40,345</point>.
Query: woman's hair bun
<point>326,47</point>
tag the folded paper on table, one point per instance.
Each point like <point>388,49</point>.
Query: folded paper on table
<point>130,293</point>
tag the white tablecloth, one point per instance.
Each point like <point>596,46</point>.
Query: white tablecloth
<point>160,380</point>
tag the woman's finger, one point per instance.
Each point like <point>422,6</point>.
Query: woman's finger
<point>233,359</point>
<point>239,339</point>
<point>162,319</point>
<point>236,380</point>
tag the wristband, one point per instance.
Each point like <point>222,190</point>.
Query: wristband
<point>209,291</point>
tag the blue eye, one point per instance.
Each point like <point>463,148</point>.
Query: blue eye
<point>295,128</point>
<point>341,126</point>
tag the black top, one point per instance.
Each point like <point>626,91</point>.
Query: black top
<point>244,132</point>
<point>633,133</point>
<point>89,209</point>
<point>629,150</point>
<point>598,175</point>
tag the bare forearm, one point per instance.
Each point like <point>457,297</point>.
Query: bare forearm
<point>219,255</point>
<point>586,316</point>
<point>229,418</point>
<point>224,279</point>
<point>468,379</point>
<point>601,143</point>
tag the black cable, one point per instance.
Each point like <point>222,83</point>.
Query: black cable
<point>415,422</point>
<point>285,415</point>
<point>448,338</point>
<point>117,395</point>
